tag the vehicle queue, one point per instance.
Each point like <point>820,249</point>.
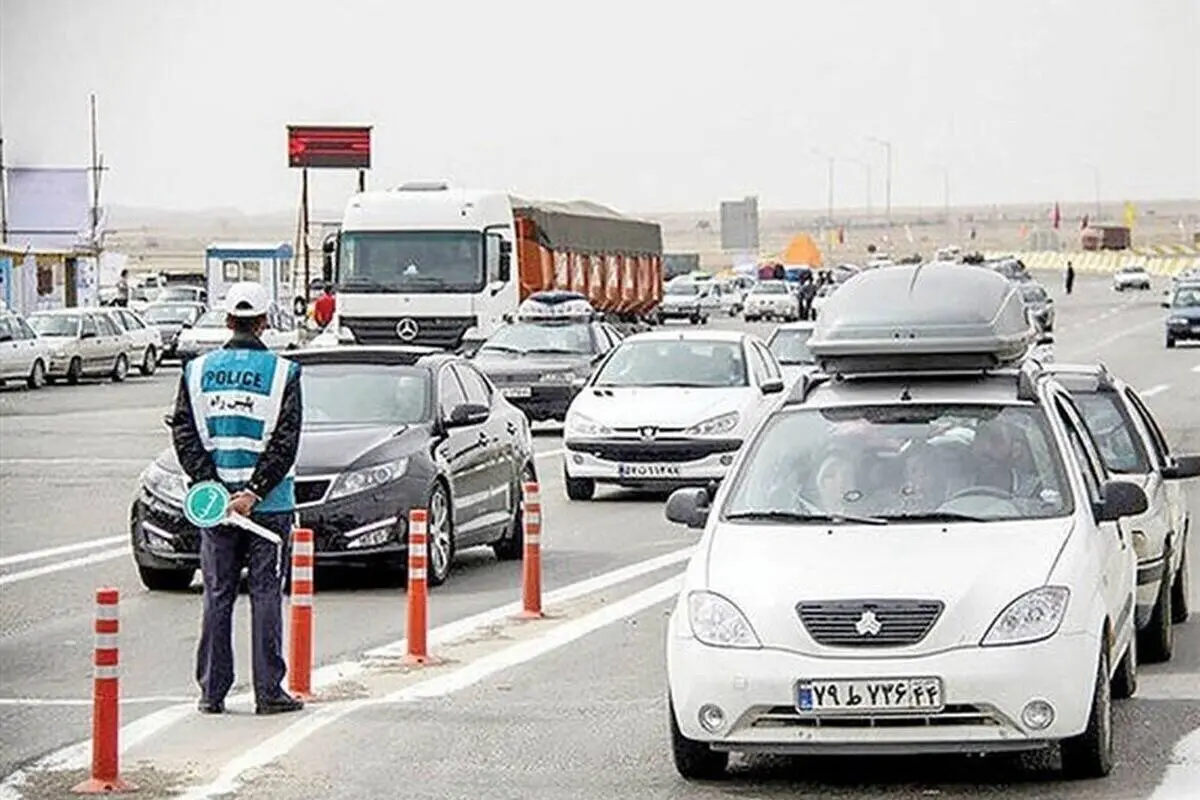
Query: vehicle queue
<point>830,444</point>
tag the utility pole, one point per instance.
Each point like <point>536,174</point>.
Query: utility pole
<point>887,146</point>
<point>3,196</point>
<point>96,169</point>
<point>832,161</point>
<point>304,226</point>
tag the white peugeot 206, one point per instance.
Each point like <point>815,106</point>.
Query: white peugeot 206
<point>668,408</point>
<point>917,552</point>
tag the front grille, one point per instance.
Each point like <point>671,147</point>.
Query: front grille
<point>869,623</point>
<point>655,452</point>
<point>311,491</point>
<point>959,715</point>
<point>443,332</point>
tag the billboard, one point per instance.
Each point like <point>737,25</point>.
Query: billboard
<point>739,225</point>
<point>329,146</point>
<point>48,208</point>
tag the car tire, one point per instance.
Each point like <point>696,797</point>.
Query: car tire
<point>149,362</point>
<point>439,526</point>
<point>694,761</point>
<point>694,320</point>
<point>704,320</point>
<point>512,546</point>
<point>579,488</point>
<point>1156,642</point>
<point>1180,607</point>
<point>1090,754</point>
<point>1170,342</point>
<point>1125,680</point>
<point>120,369</point>
<point>74,371</point>
<point>37,375</point>
<point>166,580</point>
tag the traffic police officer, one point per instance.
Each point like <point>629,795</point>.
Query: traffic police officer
<point>237,421</point>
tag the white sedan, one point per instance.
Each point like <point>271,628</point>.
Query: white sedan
<point>1133,276</point>
<point>668,408</point>
<point>24,355</point>
<point>211,332</point>
<point>771,300</point>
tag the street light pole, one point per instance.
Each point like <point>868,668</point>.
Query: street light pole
<point>887,146</point>
<point>831,161</point>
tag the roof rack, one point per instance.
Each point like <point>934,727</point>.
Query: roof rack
<point>556,305</point>
<point>933,318</point>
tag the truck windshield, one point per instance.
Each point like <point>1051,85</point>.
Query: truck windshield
<point>411,262</point>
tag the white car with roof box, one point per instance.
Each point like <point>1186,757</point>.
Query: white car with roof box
<point>1134,447</point>
<point>667,408</point>
<point>917,552</point>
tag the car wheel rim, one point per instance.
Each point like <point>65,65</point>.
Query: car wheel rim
<point>439,532</point>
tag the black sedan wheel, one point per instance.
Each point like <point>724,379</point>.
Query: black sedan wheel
<point>440,531</point>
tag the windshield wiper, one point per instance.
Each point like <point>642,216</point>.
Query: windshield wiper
<point>361,283</point>
<point>555,351</point>
<point>504,348</point>
<point>936,516</point>
<point>782,515</point>
<point>684,385</point>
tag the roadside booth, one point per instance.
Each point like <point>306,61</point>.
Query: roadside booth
<point>232,262</point>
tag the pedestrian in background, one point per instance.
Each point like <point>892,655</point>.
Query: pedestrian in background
<point>324,307</point>
<point>122,298</point>
<point>1070,277</point>
<point>237,421</point>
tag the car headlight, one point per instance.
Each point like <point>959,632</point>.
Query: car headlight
<point>164,484</point>
<point>717,622</point>
<point>581,425</point>
<point>1032,617</point>
<point>367,478</point>
<point>715,426</point>
<point>1177,321</point>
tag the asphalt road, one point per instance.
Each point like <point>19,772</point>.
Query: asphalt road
<point>585,721</point>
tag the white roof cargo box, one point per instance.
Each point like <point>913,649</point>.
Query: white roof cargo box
<point>922,318</point>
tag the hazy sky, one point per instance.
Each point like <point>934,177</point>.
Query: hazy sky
<point>648,105</point>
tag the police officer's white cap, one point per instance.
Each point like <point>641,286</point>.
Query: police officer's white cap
<point>247,299</point>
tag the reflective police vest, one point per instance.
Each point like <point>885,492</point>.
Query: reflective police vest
<point>236,397</point>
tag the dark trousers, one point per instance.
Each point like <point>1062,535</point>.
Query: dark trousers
<point>223,552</point>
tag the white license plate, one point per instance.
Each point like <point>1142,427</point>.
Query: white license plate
<point>517,391</point>
<point>649,470</point>
<point>869,694</point>
<point>1196,329</point>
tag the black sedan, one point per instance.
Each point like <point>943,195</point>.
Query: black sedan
<point>386,429</point>
<point>1039,304</point>
<point>1183,320</point>
<point>171,319</point>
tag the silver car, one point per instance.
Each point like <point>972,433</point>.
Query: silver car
<point>23,354</point>
<point>83,343</point>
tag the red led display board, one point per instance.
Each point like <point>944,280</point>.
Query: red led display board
<point>329,146</point>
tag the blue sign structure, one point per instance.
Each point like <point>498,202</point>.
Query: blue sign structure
<point>206,504</point>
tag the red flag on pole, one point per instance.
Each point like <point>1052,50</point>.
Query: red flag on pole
<point>1056,217</point>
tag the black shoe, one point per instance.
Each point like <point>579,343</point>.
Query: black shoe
<point>284,704</point>
<point>206,707</point>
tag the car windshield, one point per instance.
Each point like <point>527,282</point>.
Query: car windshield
<point>917,462</point>
<point>364,394</point>
<point>675,362</point>
<point>531,337</point>
<point>170,315</point>
<point>1187,297</point>
<point>791,346</point>
<point>176,294</point>
<point>681,287</point>
<point>411,262</point>
<point>1110,426</point>
<point>212,319</point>
<point>1033,294</point>
<point>55,324</point>
<point>771,287</point>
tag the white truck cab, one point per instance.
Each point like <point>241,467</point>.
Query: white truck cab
<point>423,264</point>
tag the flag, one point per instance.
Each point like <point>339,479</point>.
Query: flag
<point>1056,217</point>
<point>842,232</point>
<point>1130,214</point>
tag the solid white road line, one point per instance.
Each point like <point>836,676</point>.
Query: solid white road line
<point>1182,777</point>
<point>231,776</point>
<point>1153,390</point>
<point>40,555</point>
<point>50,569</point>
<point>77,755</point>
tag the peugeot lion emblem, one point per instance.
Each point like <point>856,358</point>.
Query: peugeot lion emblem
<point>649,432</point>
<point>407,329</point>
<point>868,624</point>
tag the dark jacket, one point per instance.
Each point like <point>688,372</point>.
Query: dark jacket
<point>280,453</point>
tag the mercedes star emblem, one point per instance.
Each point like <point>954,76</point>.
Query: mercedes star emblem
<point>868,624</point>
<point>407,329</point>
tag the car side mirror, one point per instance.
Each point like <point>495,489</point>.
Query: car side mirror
<point>689,507</point>
<point>1121,499</point>
<point>505,260</point>
<point>1165,304</point>
<point>772,386</point>
<point>1183,467</point>
<point>467,414</point>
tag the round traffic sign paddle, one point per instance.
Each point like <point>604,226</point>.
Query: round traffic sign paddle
<point>206,504</point>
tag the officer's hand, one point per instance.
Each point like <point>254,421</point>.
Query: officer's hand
<point>242,503</point>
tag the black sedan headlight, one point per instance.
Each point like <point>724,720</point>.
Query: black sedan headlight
<point>367,478</point>
<point>170,487</point>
